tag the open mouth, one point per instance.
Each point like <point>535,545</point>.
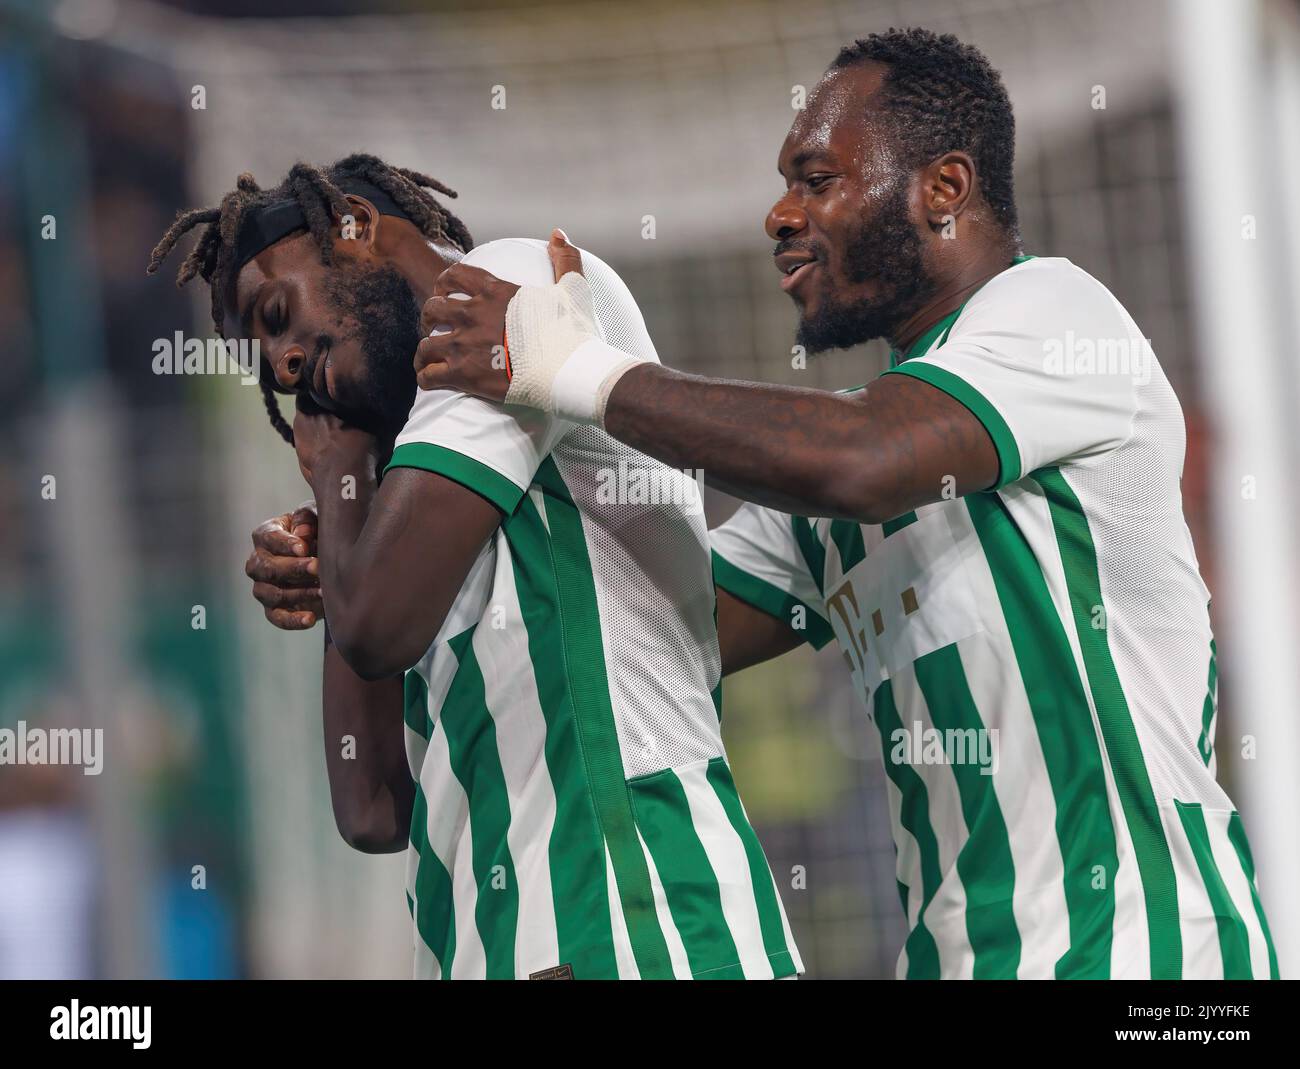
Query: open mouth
<point>795,267</point>
<point>792,278</point>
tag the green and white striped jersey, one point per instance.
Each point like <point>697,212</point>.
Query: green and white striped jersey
<point>575,814</point>
<point>1037,659</point>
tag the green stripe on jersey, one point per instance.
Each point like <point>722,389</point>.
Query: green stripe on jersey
<point>847,537</point>
<point>576,850</point>
<point>415,704</point>
<point>985,865</point>
<point>594,716</point>
<point>814,553</point>
<point>898,523</point>
<point>484,481</point>
<point>434,908</point>
<point>1155,864</point>
<point>1070,748</point>
<point>472,747</point>
<point>1234,943</point>
<point>1205,744</point>
<point>914,816</point>
<point>689,882</point>
<point>1237,836</point>
<point>775,602</point>
<point>769,906</point>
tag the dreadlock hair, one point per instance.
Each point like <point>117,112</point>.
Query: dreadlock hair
<point>317,193</point>
<point>941,95</point>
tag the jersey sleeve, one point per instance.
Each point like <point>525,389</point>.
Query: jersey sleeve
<point>1047,360</point>
<point>494,450</point>
<point>761,557</point>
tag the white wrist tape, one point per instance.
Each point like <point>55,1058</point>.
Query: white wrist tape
<point>558,362</point>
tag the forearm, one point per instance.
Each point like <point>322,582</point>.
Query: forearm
<point>393,559</point>
<point>350,569</point>
<point>868,456</point>
<point>790,448</point>
<point>365,757</point>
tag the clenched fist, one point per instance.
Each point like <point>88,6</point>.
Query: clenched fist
<point>284,569</point>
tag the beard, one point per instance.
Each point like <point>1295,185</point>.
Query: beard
<point>384,319</point>
<point>885,249</point>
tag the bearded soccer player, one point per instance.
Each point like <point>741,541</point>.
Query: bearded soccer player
<point>992,530</point>
<point>552,759</point>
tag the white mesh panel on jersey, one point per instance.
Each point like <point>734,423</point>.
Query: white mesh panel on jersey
<point>652,571</point>
<point>1156,619</point>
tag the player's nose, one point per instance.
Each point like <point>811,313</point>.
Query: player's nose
<point>289,365</point>
<point>785,220</point>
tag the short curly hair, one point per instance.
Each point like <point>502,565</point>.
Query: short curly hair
<point>941,95</point>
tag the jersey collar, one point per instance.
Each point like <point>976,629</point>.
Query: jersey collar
<point>940,329</point>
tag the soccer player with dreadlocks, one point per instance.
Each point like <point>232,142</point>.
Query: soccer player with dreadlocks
<point>527,661</point>
<point>996,537</point>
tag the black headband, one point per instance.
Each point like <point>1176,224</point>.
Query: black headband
<point>263,227</point>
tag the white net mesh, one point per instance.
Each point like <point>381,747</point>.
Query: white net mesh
<point>1152,588</point>
<point>646,531</point>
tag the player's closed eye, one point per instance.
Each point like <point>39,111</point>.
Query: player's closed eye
<point>275,318</point>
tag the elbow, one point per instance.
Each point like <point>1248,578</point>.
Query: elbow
<point>373,664</point>
<point>372,655</point>
<point>367,842</point>
<point>372,829</point>
<point>380,632</point>
<point>857,497</point>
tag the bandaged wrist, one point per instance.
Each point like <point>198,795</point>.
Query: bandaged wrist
<point>581,388</point>
<point>558,363</point>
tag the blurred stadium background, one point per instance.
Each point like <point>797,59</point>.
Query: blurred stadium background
<point>1151,137</point>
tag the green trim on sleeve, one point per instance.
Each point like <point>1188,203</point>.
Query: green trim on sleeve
<point>898,523</point>
<point>769,599</point>
<point>484,481</point>
<point>982,409</point>
<point>812,550</point>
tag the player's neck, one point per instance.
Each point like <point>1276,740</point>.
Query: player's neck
<point>423,264</point>
<point>952,292</point>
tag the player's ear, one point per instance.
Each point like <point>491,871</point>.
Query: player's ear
<point>947,184</point>
<point>361,223</point>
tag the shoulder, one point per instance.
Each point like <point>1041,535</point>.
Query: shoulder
<point>524,261</point>
<point>1045,295</point>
